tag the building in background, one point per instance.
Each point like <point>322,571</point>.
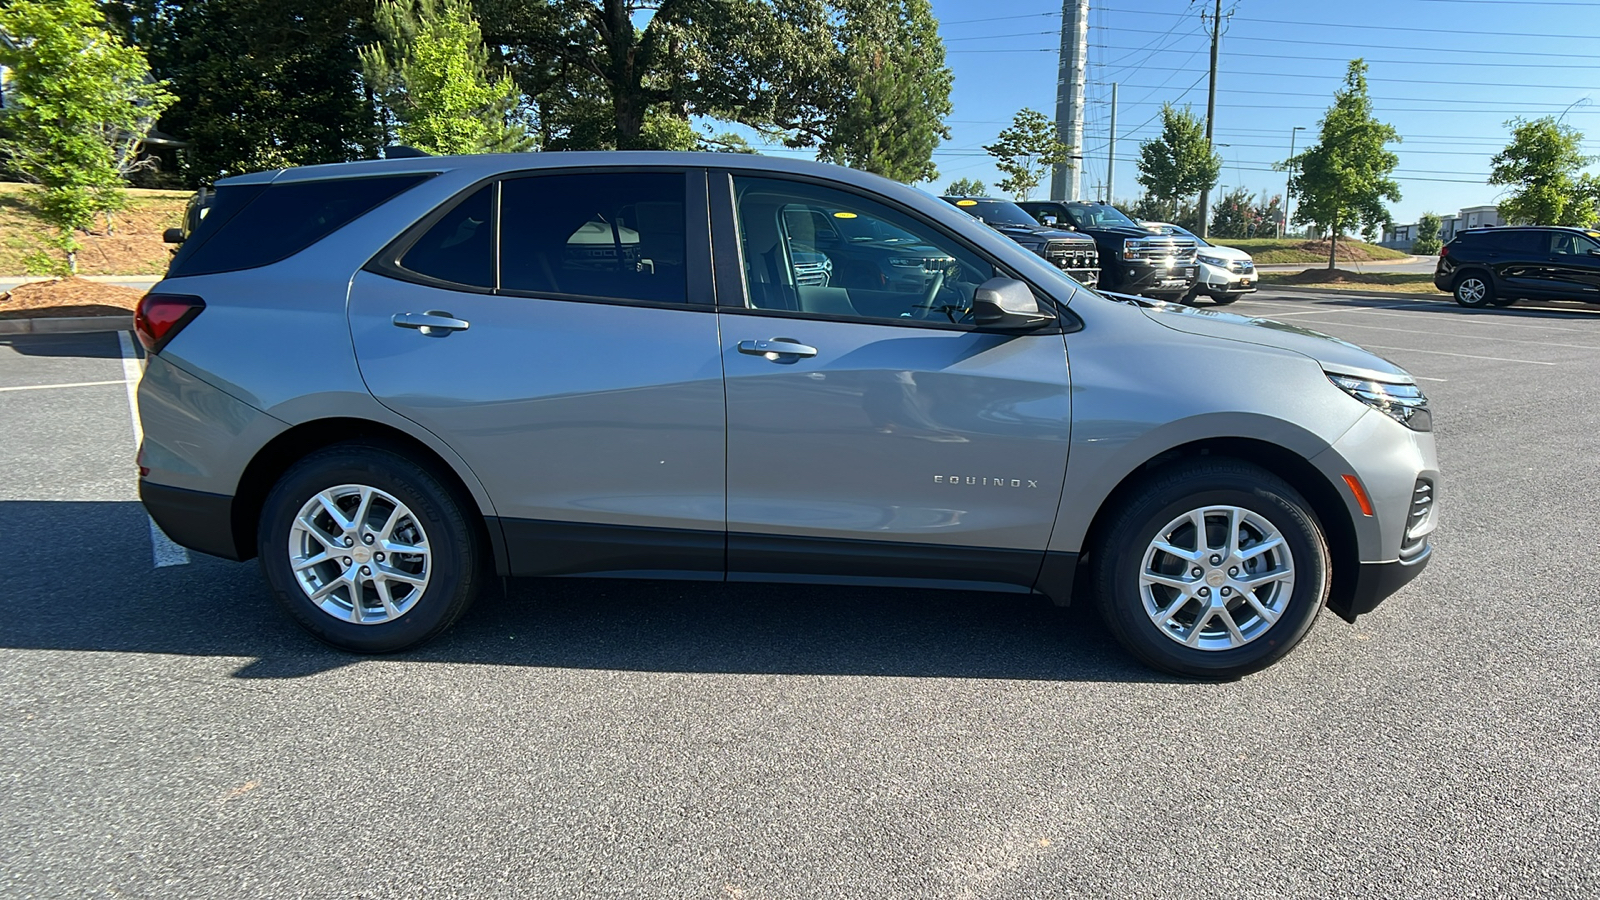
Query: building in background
<point>1399,237</point>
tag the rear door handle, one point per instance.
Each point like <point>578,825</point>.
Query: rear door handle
<point>434,322</point>
<point>776,347</point>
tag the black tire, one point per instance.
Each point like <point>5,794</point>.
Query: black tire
<point>1474,289</point>
<point>455,557</point>
<point>1119,559</point>
<point>1224,299</point>
<point>1192,298</point>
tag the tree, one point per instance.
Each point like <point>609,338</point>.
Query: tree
<point>431,72</point>
<point>963,187</point>
<point>1025,151</point>
<point>892,92</point>
<point>1541,166</point>
<point>1427,238</point>
<point>599,74</point>
<point>262,84</point>
<point>1344,178</point>
<point>81,103</point>
<point>1235,215</point>
<point>1181,162</point>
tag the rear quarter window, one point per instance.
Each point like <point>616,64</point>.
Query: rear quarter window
<point>255,225</point>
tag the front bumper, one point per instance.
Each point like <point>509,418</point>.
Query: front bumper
<point>1218,282</point>
<point>1375,582</point>
<point>1155,280</point>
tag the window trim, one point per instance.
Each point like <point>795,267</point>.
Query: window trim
<point>728,253</point>
<point>698,278</point>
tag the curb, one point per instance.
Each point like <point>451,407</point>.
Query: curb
<point>98,279</point>
<point>66,325</point>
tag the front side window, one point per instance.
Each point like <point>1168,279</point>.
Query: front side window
<point>812,249</point>
<point>618,236</point>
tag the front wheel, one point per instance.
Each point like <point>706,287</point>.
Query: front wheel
<point>368,550</point>
<point>1474,290</point>
<point>1214,569</point>
<point>1224,299</point>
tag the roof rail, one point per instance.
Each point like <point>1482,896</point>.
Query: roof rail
<point>400,151</point>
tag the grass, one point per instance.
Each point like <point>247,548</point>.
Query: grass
<point>133,248</point>
<point>1384,282</point>
<point>1274,251</point>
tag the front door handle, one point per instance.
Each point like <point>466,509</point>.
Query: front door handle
<point>776,348</point>
<point>434,322</point>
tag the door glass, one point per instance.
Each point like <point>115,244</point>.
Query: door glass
<point>616,236</point>
<point>811,249</point>
<point>459,248</point>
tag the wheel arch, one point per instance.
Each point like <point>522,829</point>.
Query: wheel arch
<point>1326,503</point>
<point>285,449</point>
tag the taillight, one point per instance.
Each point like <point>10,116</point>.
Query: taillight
<point>160,317</point>
<point>1444,250</point>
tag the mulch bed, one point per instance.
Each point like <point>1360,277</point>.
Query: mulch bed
<point>1332,276</point>
<point>67,297</point>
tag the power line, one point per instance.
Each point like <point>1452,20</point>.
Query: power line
<point>1366,46</point>
<point>1479,33</point>
<point>1384,80</point>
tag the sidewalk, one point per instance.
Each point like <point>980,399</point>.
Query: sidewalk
<point>1409,264</point>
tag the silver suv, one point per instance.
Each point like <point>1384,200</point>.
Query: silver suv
<point>391,380</point>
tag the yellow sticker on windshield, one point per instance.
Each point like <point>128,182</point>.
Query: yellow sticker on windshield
<point>844,215</point>
<point>966,203</point>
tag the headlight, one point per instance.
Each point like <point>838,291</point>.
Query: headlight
<point>1404,403</point>
<point>1213,261</point>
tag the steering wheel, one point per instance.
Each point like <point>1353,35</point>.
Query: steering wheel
<point>926,307</point>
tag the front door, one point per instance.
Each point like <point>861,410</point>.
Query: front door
<point>875,435</point>
<point>585,388</point>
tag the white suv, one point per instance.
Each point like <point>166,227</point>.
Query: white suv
<point>1225,275</point>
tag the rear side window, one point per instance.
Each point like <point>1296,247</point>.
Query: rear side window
<point>617,235</point>
<point>459,248</point>
<point>279,221</point>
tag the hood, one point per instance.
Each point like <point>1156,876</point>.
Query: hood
<point>1135,231</point>
<point>1334,354</point>
<point>1040,233</point>
<point>1229,253</point>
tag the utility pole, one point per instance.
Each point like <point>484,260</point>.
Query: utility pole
<point>1069,96</point>
<point>1111,157</point>
<point>1288,184</point>
<point>1211,112</point>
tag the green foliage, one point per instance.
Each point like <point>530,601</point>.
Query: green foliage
<point>262,84</point>
<point>1427,237</point>
<point>596,77</point>
<point>431,72</point>
<point>891,93</point>
<point>965,187</point>
<point>1541,166</point>
<point>81,102</point>
<point>1240,215</point>
<point>1344,179</point>
<point>1025,151</point>
<point>1181,162</point>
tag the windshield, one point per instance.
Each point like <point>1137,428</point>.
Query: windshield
<point>1099,217</point>
<point>996,212</point>
<point>1179,229</point>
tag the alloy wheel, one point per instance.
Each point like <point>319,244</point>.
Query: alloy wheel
<point>1216,578</point>
<point>359,554</point>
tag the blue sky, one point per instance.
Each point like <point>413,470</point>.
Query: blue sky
<point>1447,74</point>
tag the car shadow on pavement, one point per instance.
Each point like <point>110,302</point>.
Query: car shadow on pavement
<point>82,579</point>
<point>92,345</point>
<point>1525,309</point>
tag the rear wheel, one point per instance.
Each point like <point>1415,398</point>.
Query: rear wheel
<point>1474,290</point>
<point>367,550</point>
<point>1215,569</point>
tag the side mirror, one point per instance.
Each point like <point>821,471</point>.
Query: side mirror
<point>1009,304</point>
<point>1594,252</point>
<point>172,236</point>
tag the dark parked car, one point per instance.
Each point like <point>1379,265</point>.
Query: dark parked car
<point>1498,266</point>
<point>1075,254</point>
<point>1132,260</point>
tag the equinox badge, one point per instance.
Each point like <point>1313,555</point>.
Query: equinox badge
<point>980,481</point>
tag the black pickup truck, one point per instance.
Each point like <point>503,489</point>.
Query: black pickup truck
<point>1074,254</point>
<point>1132,260</point>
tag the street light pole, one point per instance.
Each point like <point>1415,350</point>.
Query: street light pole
<point>1289,182</point>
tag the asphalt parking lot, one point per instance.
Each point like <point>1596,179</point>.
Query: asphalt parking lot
<point>165,732</point>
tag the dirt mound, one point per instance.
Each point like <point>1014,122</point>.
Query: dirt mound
<point>1348,251</point>
<point>67,297</point>
<point>1333,276</point>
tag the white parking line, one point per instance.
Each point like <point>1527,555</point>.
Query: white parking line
<point>1471,337</point>
<point>47,387</point>
<point>1531,362</point>
<point>162,549</point>
<point>1505,320</point>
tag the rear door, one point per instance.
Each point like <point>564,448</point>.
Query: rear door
<point>1520,261</point>
<point>873,434</point>
<point>557,330</point>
